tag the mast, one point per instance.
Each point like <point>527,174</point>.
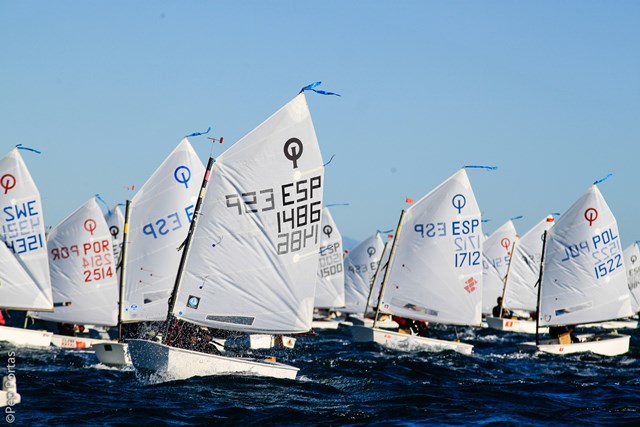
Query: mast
<point>506,277</point>
<point>373,281</point>
<point>544,243</point>
<point>389,263</point>
<point>123,257</point>
<point>187,243</point>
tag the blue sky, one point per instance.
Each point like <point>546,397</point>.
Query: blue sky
<point>547,91</point>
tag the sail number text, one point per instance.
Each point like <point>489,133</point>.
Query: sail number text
<point>96,257</point>
<point>605,251</point>
<point>330,261</point>
<point>297,214</point>
<point>21,227</point>
<point>168,223</point>
<point>466,240</point>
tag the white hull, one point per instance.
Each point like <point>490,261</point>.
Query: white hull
<point>64,341</point>
<point>113,353</point>
<point>25,337</point>
<point>176,363</point>
<point>404,342</point>
<point>514,325</point>
<point>603,344</point>
<point>325,324</point>
<point>263,341</point>
<point>612,324</point>
<point>358,320</point>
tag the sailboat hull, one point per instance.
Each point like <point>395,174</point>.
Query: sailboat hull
<point>175,363</point>
<point>325,324</point>
<point>612,324</point>
<point>113,354</point>
<point>514,325</point>
<point>359,320</point>
<point>404,342</point>
<point>603,344</point>
<point>64,341</point>
<point>25,337</point>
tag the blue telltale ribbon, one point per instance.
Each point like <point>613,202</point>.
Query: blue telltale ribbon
<point>332,156</point>
<point>385,231</point>
<point>602,180</point>
<point>198,133</point>
<point>491,168</point>
<point>336,204</point>
<point>20,147</point>
<point>517,217</point>
<point>485,220</point>
<point>312,87</point>
<point>555,213</point>
<point>104,203</point>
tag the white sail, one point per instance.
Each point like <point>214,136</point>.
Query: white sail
<point>378,275</point>
<point>18,290</point>
<point>496,253</point>
<point>632,262</point>
<point>115,221</point>
<point>436,271</point>
<point>253,258</point>
<point>360,265</point>
<point>521,292</point>
<point>159,219</point>
<point>330,280</point>
<point>83,271</point>
<point>22,231</point>
<point>584,278</point>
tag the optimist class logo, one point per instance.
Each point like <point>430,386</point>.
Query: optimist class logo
<point>7,182</point>
<point>591,215</point>
<point>90,225</point>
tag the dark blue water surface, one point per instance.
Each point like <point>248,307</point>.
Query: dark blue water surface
<point>344,383</point>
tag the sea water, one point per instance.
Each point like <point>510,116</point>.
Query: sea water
<point>343,383</point>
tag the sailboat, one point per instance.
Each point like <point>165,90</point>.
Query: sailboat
<point>83,274</point>
<point>520,293</point>
<point>362,266</point>
<point>496,255</point>
<point>157,221</point>
<point>435,269</point>
<point>583,279</point>
<point>330,278</point>
<point>115,221</point>
<point>24,265</point>
<point>632,263</point>
<point>251,256</point>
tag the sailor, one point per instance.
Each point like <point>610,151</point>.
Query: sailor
<point>497,308</point>
<point>557,331</point>
<point>410,326</point>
